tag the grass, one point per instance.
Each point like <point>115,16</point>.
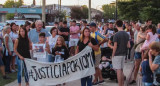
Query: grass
<point>13,77</point>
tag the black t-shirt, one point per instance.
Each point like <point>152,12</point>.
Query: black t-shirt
<point>82,46</point>
<point>122,39</point>
<point>111,39</point>
<point>63,50</point>
<point>108,30</point>
<point>62,29</point>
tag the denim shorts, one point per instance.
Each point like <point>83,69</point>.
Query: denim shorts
<point>137,55</point>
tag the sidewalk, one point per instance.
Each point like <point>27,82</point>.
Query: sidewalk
<point>127,70</point>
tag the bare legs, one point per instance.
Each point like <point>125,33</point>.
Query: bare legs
<point>120,77</point>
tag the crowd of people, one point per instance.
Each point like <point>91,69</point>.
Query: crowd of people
<point>118,42</point>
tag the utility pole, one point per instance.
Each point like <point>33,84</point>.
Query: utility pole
<point>60,5</point>
<point>116,9</point>
<point>89,11</point>
<point>43,11</point>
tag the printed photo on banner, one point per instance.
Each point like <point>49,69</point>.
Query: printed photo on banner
<point>39,51</point>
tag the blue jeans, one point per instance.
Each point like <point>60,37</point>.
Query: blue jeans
<point>21,66</point>
<point>50,58</point>
<point>86,80</point>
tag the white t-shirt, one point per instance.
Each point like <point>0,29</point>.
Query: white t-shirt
<point>13,35</point>
<point>52,41</point>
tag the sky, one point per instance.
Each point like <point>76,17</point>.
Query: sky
<point>97,4</point>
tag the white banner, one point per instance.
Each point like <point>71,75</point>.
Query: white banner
<point>76,67</point>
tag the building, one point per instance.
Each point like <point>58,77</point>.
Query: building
<point>32,14</point>
<point>53,12</point>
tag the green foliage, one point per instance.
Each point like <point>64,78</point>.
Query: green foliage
<point>150,13</point>
<point>62,15</point>
<point>139,10</point>
<point>11,3</point>
<point>85,11</point>
<point>79,12</point>
<point>109,11</point>
<point>10,16</point>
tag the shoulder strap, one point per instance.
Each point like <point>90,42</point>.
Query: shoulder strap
<point>96,37</point>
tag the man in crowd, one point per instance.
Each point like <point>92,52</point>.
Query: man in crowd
<point>56,25</point>
<point>149,22</point>
<point>110,30</point>
<point>64,32</point>
<point>74,37</point>
<point>121,43</point>
<point>84,24</point>
<point>34,33</point>
<point>100,39</point>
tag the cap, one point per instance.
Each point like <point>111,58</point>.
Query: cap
<point>93,24</point>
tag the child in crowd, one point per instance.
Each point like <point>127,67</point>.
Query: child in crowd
<point>147,75</point>
<point>42,40</point>
<point>104,63</point>
<point>60,51</point>
<point>151,36</point>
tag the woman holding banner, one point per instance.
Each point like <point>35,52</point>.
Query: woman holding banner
<point>60,51</point>
<point>86,40</point>
<point>21,48</point>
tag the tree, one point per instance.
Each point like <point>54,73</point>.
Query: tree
<point>139,10</point>
<point>98,17</point>
<point>19,3</point>
<point>11,3</point>
<point>79,12</point>
<point>76,13</point>
<point>10,16</point>
<point>85,12</point>
<point>109,11</point>
<point>150,13</point>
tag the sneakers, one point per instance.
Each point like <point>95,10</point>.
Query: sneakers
<point>100,82</point>
<point>5,77</point>
<point>94,84</point>
<point>13,71</point>
<point>132,82</point>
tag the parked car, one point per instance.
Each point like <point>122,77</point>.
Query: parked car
<point>18,22</point>
<point>48,28</point>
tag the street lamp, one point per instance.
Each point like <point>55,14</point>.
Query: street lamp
<point>89,11</point>
<point>113,15</point>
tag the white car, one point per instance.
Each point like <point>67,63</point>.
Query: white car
<point>18,22</point>
<point>48,28</point>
